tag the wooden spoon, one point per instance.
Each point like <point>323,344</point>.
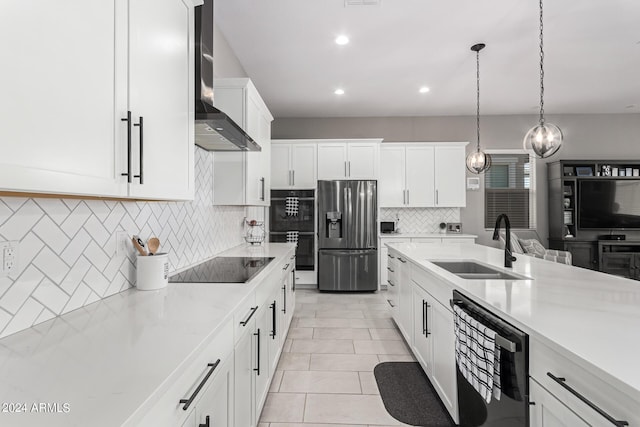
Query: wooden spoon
<point>153,244</point>
<point>139,245</point>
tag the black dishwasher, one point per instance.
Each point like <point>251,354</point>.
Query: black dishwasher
<point>512,409</point>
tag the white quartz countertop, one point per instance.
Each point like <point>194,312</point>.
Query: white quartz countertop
<point>107,358</point>
<point>591,317</point>
<point>427,235</point>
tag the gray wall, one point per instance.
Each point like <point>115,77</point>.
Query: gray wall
<point>587,136</point>
<point>226,63</point>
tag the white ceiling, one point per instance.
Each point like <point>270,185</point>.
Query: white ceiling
<point>592,55</point>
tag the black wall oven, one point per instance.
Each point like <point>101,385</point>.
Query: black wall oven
<point>292,219</point>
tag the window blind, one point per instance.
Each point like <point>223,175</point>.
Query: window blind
<point>508,189</point>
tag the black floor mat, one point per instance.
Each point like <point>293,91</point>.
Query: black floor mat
<point>409,396</point>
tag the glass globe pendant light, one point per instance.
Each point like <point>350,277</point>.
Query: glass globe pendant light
<point>544,138</point>
<point>478,161</point>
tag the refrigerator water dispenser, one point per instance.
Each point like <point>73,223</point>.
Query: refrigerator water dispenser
<point>334,225</point>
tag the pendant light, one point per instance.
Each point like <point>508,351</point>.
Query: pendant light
<point>478,161</point>
<point>544,138</point>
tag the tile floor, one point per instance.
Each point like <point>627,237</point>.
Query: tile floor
<point>325,375</point>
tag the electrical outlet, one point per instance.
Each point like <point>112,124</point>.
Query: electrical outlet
<point>9,252</point>
<point>122,243</point>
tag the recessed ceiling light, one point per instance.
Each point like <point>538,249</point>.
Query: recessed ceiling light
<point>342,40</point>
<point>339,91</point>
<point>424,89</point>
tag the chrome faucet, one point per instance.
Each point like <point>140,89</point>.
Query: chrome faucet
<point>508,256</point>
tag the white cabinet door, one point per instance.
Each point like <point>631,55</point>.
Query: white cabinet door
<point>215,408</point>
<point>440,327</point>
<point>281,166</point>
<point>244,397</point>
<point>332,161</point>
<point>161,93</point>
<point>405,299</point>
<point>391,185</point>
<point>450,176</point>
<point>64,90</point>
<point>261,360</point>
<point>303,166</point>
<point>362,160</point>
<point>548,411</point>
<point>420,176</point>
<point>422,339</point>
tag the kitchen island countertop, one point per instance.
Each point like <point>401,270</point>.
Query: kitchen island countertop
<point>591,317</point>
<point>106,359</point>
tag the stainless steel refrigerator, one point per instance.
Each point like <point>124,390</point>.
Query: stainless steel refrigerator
<point>347,236</point>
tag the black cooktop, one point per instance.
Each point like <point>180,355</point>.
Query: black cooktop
<point>223,270</point>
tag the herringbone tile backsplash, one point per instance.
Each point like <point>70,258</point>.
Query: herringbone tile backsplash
<point>420,220</point>
<point>67,252</point>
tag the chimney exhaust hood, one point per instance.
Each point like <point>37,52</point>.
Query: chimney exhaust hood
<point>214,130</point>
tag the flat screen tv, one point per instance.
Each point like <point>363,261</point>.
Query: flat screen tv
<point>609,204</point>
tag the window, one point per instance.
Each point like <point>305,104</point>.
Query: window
<point>509,188</point>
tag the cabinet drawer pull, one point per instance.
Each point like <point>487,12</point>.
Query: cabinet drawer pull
<point>273,319</point>
<point>286,266</point>
<point>284,295</point>
<point>128,173</point>
<point>390,282</point>
<point>293,177</point>
<point>402,260</point>
<point>253,311</point>
<point>390,269</point>
<point>562,382</point>
<point>390,303</point>
<point>206,422</point>
<point>140,125</point>
<point>189,401</point>
<point>257,369</point>
<point>262,195</point>
<point>391,256</point>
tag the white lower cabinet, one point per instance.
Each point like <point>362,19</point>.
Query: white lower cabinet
<point>434,345</point>
<point>548,411</point>
<point>405,299</point>
<point>244,398</point>
<point>215,408</point>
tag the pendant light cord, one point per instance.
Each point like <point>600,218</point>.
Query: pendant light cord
<point>541,67</point>
<point>478,98</point>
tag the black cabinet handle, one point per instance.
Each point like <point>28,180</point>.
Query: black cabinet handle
<point>128,120</point>
<point>390,269</point>
<point>390,303</point>
<point>286,266</point>
<point>189,401</point>
<point>257,334</point>
<point>273,319</point>
<point>401,260</point>
<point>391,256</point>
<point>390,282</point>
<point>424,318</point>
<point>206,422</point>
<point>262,193</point>
<point>284,293</point>
<point>293,280</point>
<point>140,125</point>
<point>253,311</point>
<point>562,382</point>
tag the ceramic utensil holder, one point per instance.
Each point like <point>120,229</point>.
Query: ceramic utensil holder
<point>152,272</point>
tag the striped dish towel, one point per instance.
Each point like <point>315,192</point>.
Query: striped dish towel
<point>291,206</point>
<point>292,236</point>
<point>477,355</point>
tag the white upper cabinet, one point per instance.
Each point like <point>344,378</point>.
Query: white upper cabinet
<point>293,165</point>
<point>243,178</point>
<point>348,159</point>
<point>450,174</point>
<point>62,108</point>
<point>422,175</point>
<point>161,98</point>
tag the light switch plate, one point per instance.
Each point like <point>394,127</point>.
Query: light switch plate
<point>9,257</point>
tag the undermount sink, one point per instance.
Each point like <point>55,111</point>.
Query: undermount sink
<point>471,270</point>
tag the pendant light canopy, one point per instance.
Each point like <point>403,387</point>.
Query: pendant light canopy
<point>478,161</point>
<point>544,138</point>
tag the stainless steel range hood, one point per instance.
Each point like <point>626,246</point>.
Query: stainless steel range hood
<point>214,130</point>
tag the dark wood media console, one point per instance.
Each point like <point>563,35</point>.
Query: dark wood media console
<point>619,257</point>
